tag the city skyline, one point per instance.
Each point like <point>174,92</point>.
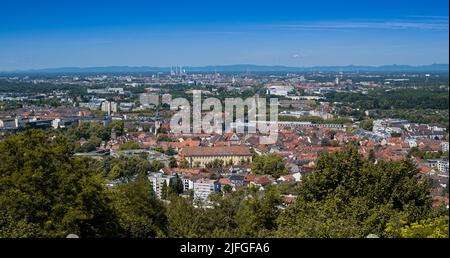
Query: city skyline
<point>51,34</point>
<point>236,68</point>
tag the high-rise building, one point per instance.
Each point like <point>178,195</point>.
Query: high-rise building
<point>109,107</point>
<point>147,99</point>
<point>444,146</point>
<point>158,180</point>
<point>166,98</point>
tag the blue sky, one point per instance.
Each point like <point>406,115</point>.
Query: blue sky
<point>42,34</point>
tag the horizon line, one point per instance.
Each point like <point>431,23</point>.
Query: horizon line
<point>212,65</point>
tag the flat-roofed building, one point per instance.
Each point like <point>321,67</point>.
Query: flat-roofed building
<point>159,181</point>
<point>109,107</point>
<point>203,188</point>
<point>147,99</point>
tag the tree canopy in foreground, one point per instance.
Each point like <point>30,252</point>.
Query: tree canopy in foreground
<point>47,192</point>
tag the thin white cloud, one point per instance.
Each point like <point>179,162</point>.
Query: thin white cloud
<point>429,17</point>
<point>384,25</point>
<point>219,32</point>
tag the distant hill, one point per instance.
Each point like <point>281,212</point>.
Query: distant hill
<point>236,68</point>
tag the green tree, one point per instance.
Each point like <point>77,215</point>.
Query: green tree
<point>394,134</point>
<point>183,164</point>
<point>170,151</point>
<point>172,162</point>
<point>127,168</point>
<point>216,163</point>
<point>269,164</point>
<point>257,217</point>
<point>130,145</point>
<point>426,228</point>
<point>176,186</point>
<point>371,156</point>
<point>88,130</point>
<point>45,192</point>
<point>156,166</point>
<point>90,145</point>
<point>140,214</point>
<point>184,220</point>
<point>366,124</point>
<point>325,142</point>
<point>159,149</point>
<point>164,192</point>
<point>117,126</point>
<point>349,196</point>
<point>164,138</point>
<point>423,154</point>
<point>227,189</point>
<point>331,134</point>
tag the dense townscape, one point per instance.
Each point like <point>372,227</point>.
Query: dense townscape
<point>93,154</point>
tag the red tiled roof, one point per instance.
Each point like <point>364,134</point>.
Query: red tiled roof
<point>222,144</point>
<point>249,178</point>
<point>440,200</point>
<point>186,170</point>
<point>187,143</point>
<point>224,181</point>
<point>166,170</point>
<point>216,151</point>
<point>424,169</point>
<point>262,180</point>
<point>395,140</point>
<point>288,177</point>
<point>288,198</point>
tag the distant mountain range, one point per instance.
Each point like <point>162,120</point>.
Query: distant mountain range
<point>235,68</point>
